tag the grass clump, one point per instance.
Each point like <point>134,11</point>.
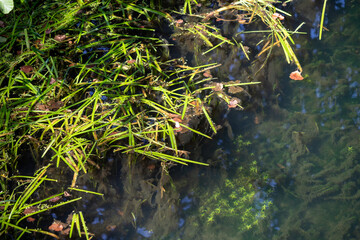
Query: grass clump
<point>82,79</point>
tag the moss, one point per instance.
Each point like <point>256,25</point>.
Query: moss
<point>237,200</point>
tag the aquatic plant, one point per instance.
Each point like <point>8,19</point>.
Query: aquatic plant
<point>244,13</point>
<point>237,200</point>
<point>18,205</point>
<point>108,92</point>
<point>81,80</point>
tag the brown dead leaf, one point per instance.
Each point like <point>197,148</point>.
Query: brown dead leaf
<point>30,219</point>
<point>26,69</point>
<point>235,89</point>
<point>218,87</point>
<point>30,210</point>
<point>233,103</point>
<point>60,38</point>
<point>57,226</point>
<point>55,199</point>
<point>207,74</point>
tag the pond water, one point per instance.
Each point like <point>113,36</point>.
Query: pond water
<point>298,140</point>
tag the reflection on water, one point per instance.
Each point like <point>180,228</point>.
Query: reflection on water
<point>307,139</point>
<point>303,159</point>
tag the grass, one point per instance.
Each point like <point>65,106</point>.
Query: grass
<point>246,12</point>
<point>17,206</point>
<point>82,79</point>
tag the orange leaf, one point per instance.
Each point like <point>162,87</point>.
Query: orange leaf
<point>296,75</point>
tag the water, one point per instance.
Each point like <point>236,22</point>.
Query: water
<point>303,156</point>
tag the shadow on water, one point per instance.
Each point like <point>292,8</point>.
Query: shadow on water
<point>298,142</point>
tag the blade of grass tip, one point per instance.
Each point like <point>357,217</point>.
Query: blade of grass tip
<point>178,159</point>
<point>30,177</point>
<point>131,136</point>
<point>21,234</point>
<point>203,37</point>
<point>292,54</point>
<point>322,19</point>
<point>158,156</point>
<point>27,39</point>
<point>209,119</point>
<point>41,201</point>
<point>34,184</point>
<point>171,134</point>
<point>218,45</point>
<point>77,224</point>
<point>49,208</point>
<point>284,47</point>
<point>193,130</point>
<point>244,51</point>
<point>84,225</point>
<point>45,232</point>
<point>86,191</point>
<point>185,106</point>
<point>15,227</point>
<point>72,225</point>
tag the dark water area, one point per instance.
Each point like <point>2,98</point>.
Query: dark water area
<point>297,140</point>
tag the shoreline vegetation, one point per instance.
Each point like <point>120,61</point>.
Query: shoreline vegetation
<point>83,81</point>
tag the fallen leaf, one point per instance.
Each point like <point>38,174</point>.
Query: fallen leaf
<point>235,89</point>
<point>30,210</point>
<point>296,75</point>
<point>218,87</point>
<point>26,69</point>
<point>30,219</point>
<point>131,61</point>
<point>207,74</point>
<point>66,194</point>
<point>278,16</point>
<point>55,199</point>
<point>179,22</point>
<point>60,38</point>
<point>56,226</point>
<point>233,103</point>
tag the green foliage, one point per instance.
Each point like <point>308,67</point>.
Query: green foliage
<point>243,12</point>
<point>76,105</point>
<point>236,200</point>
<point>240,144</point>
<point>18,206</point>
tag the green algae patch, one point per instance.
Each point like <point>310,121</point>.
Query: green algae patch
<point>236,201</point>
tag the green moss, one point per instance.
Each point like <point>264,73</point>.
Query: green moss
<point>237,200</point>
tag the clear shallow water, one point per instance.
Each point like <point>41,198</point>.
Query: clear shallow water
<point>304,137</point>
<point>307,138</point>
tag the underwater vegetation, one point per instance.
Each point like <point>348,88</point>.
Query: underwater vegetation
<point>233,201</point>
<point>91,91</point>
<point>310,141</point>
